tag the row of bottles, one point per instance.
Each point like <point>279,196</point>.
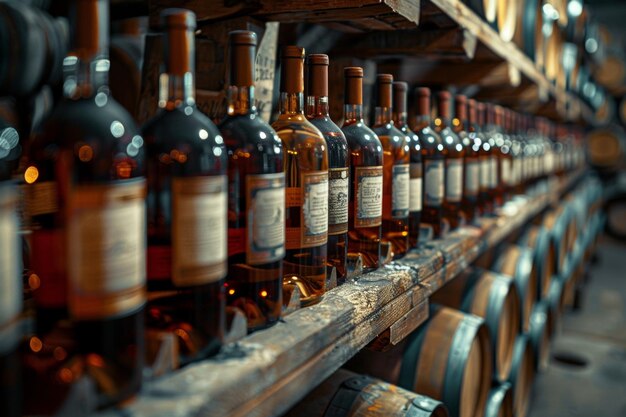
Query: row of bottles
<point>159,228</point>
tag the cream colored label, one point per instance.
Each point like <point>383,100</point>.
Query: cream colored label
<point>434,182</point>
<point>472,177</point>
<point>400,191</point>
<point>41,198</point>
<point>266,218</point>
<point>484,173</point>
<point>10,257</point>
<point>454,180</point>
<point>199,221</point>
<point>369,196</point>
<point>338,192</point>
<point>506,171</point>
<point>415,187</point>
<point>493,172</point>
<point>106,249</point>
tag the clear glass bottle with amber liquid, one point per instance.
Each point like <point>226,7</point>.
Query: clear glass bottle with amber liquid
<point>187,204</point>
<point>306,187</point>
<point>454,153</point>
<point>496,140</point>
<point>86,202</point>
<point>256,194</point>
<point>433,165</point>
<point>487,173</point>
<point>396,169</point>
<point>366,175</point>
<point>471,145</point>
<point>503,152</point>
<point>338,163</point>
<point>400,92</point>
<point>10,276</point>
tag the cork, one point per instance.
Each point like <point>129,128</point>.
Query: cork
<point>384,89</point>
<point>423,101</point>
<point>292,70</point>
<point>354,85</point>
<point>242,51</point>
<point>179,26</point>
<point>318,75</point>
<point>443,98</point>
<point>460,109</point>
<point>400,89</point>
<point>90,22</point>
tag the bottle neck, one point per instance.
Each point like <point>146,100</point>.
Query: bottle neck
<point>422,120</point>
<point>353,113</point>
<point>85,78</point>
<point>316,106</point>
<point>240,100</point>
<point>291,103</point>
<point>400,119</point>
<point>382,115</point>
<point>176,90</point>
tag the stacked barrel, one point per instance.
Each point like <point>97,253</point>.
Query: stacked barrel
<point>489,330</point>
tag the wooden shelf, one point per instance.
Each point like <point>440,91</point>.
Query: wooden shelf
<point>267,372</point>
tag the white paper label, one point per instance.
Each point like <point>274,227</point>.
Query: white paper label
<point>107,249</point>
<point>506,171</point>
<point>415,187</point>
<point>493,172</point>
<point>434,185</point>
<point>454,180</point>
<point>10,257</point>
<point>199,224</point>
<point>484,173</point>
<point>369,196</point>
<point>338,192</point>
<point>315,207</point>
<point>472,174</point>
<point>266,218</point>
<point>400,191</point>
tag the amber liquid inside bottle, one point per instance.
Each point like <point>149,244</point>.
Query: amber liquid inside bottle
<point>187,206</point>
<point>433,166</point>
<point>10,282</point>
<point>306,175</point>
<point>495,140</point>
<point>366,175</point>
<point>486,166</point>
<point>396,171</point>
<point>471,145</point>
<point>338,163</point>
<point>454,153</point>
<point>256,195</point>
<point>400,92</point>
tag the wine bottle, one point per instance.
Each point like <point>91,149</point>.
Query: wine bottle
<point>338,163</point>
<point>366,175</point>
<point>85,180</point>
<point>306,176</point>
<point>433,164</point>
<point>10,276</point>
<point>495,140</point>
<point>187,204</point>
<point>396,170</point>
<point>486,173</point>
<point>256,195</point>
<point>400,92</point>
<point>471,145</point>
<point>454,153</point>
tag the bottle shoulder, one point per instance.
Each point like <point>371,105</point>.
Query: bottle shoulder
<point>187,126</point>
<point>295,130</point>
<point>250,130</point>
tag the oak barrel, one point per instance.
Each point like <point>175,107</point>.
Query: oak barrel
<point>487,9</point>
<point>449,359</point>
<point>541,323</point>
<point>522,375</point>
<point>537,238</point>
<point>346,394</point>
<point>556,303</point>
<point>500,401</point>
<point>493,297</point>
<point>556,222</point>
<point>517,262</point>
<point>506,14</point>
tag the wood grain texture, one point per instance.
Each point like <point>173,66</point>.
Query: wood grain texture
<point>267,372</point>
